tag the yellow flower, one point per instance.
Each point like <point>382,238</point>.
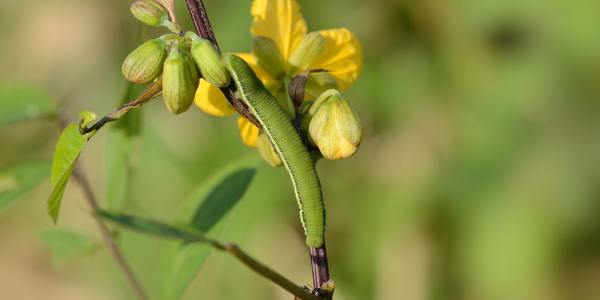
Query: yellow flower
<point>282,22</point>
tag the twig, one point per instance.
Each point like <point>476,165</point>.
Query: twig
<point>201,21</point>
<point>299,292</point>
<point>116,114</point>
<point>107,235</point>
<point>202,24</point>
<point>320,266</point>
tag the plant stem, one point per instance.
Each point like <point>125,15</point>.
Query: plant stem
<point>320,266</point>
<point>319,262</point>
<point>109,240</point>
<point>116,114</point>
<point>202,25</point>
<point>299,292</point>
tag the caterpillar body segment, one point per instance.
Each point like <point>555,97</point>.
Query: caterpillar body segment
<point>287,144</point>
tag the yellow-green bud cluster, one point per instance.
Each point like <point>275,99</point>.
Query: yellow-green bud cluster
<point>181,59</point>
<point>179,73</point>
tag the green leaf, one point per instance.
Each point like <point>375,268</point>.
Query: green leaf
<point>17,181</point>
<point>66,245</point>
<point>222,198</point>
<point>153,227</point>
<point>207,206</point>
<point>22,103</point>
<point>69,145</point>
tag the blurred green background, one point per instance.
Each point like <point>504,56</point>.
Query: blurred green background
<point>478,176</point>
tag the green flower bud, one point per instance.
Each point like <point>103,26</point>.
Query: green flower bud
<point>268,56</point>
<point>149,12</point>
<point>179,86</point>
<point>145,62</point>
<point>318,83</point>
<point>309,50</point>
<point>267,152</point>
<point>285,102</point>
<point>334,127</point>
<point>193,68</point>
<point>209,61</point>
<point>306,116</point>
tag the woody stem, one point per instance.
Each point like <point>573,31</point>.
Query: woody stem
<point>202,24</point>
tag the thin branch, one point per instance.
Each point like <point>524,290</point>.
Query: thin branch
<point>116,114</point>
<point>288,285</point>
<point>202,25</point>
<point>109,240</point>
<point>201,21</point>
<point>320,266</point>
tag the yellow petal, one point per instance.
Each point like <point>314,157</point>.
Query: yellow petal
<point>260,72</point>
<point>342,56</point>
<point>211,100</point>
<point>248,131</point>
<point>281,21</point>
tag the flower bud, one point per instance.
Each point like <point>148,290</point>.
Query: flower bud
<point>334,127</point>
<point>193,68</point>
<point>267,152</point>
<point>268,56</point>
<point>305,116</point>
<point>145,62</point>
<point>283,99</point>
<point>309,50</point>
<point>178,84</point>
<point>209,61</point>
<point>318,83</point>
<point>149,12</point>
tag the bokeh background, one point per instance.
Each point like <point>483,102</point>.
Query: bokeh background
<point>478,176</point>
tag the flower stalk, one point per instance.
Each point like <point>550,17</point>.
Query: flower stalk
<point>116,114</point>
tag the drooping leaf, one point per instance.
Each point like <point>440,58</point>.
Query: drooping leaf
<point>23,103</point>
<point>202,211</point>
<point>222,198</point>
<point>153,227</point>
<point>18,180</point>
<point>69,145</point>
<point>66,245</point>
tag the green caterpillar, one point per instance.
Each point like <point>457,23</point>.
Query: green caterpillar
<point>287,144</point>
